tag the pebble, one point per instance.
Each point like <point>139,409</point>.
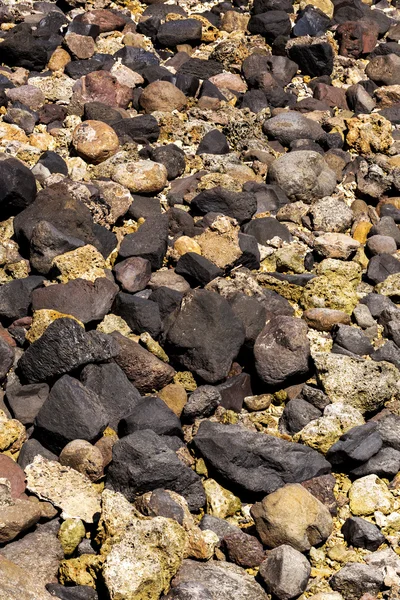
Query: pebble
<point>95,141</point>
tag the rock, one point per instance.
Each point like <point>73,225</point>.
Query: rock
<point>270,462</point>
<point>115,392</point>
<point>84,263</point>
<point>87,301</point>
<point>64,346</point>
<point>369,494</point>
<point>175,397</point>
<point>384,70</point>
<point>140,314</point>
<point>202,403</point>
<point>184,31</point>
<point>151,413</point>
<point>70,534</point>
<point>84,458</point>
<point>354,580</point>
<point>214,142</point>
<point>348,339</point>
<point>204,335</point>
<point>222,580</point>
<point>157,545</point>
<point>16,297</point>
<point>80,46</point>
<point>141,177</point>
<point>388,428</point>
<point>148,242</point>
<point>385,463</point>
<point>143,462</point>
<point>310,177</point>
<point>369,133</point>
<point>265,229</point>
<point>290,126</point>
<point>173,159</point>
<point>363,384</point>
<point>331,215</point>
<point>336,245</point>
<point>14,474</point>
<point>270,25</point>
<point>362,534</point>
<point>243,549</point>
<point>162,96</point>
<point>335,291</point>
<point>17,516</point>
<point>145,371</point>
<point>238,205</point>
<point>95,141</point>
<point>133,274</point>
<point>314,60</point>
<point>189,591</point>
<point>197,269</point>
<point>71,412</point>
<point>30,449</point>
<point>18,189</point>
<point>356,446</point>
<point>16,583</point>
<point>282,351</point>
<point>285,572</point>
<point>221,503</point>
<point>46,243</point>
<point>297,414</point>
<point>64,487</point>
<point>39,550</point>
<point>324,319</point>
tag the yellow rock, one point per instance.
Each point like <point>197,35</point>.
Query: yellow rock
<point>70,534</point>
<point>186,244</point>
<point>222,249</point>
<point>80,571</point>
<point>369,133</point>
<point>325,5</point>
<point>175,397</point>
<point>234,21</point>
<point>153,346</point>
<point>361,231</point>
<point>85,263</point>
<point>186,379</point>
<point>12,434</point>
<point>11,133</point>
<point>220,502</point>
<point>369,494</point>
<point>112,323</point>
<point>41,320</point>
<point>59,59</point>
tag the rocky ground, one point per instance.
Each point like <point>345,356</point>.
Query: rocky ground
<point>199,300</point>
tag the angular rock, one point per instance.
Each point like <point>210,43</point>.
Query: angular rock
<point>142,462</point>
<point>16,297</point>
<point>238,205</point>
<point>360,533</point>
<point>354,580</point>
<point>202,403</point>
<point>46,243</point>
<point>149,241</point>
<point>151,413</point>
<point>197,269</point>
<point>140,314</point>
<point>255,463</point>
<point>25,401</point>
<point>285,572</point>
<point>356,446</point>
<point>18,188</point>
<point>290,126</point>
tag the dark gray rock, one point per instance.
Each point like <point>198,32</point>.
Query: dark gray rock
<point>114,390</point>
<point>173,159</point>
<point>151,413</point>
<point>285,572</point>
<point>356,446</point>
<point>32,448</point>
<point>16,297</point>
<point>197,269</point>
<point>381,266</point>
<point>86,300</point>
<point>143,462</point>
<point>184,31</point>
<point>270,25</point>
<point>355,579</point>
<point>360,533</point>
<point>253,463</point>
<point>149,241</point>
<point>385,463</point>
<point>46,243</point>
<point>72,411</point>
<point>202,403</point>
<point>252,313</point>
<point>18,186</point>
<point>7,354</point>
<point>63,347</point>
<point>133,274</point>
<point>140,314</point>
<point>234,390</point>
<point>386,226</point>
<point>78,592</point>
<point>239,205</point>
<point>351,339</point>
<point>214,142</point>
<point>282,351</point>
<point>25,401</point>
<point>389,429</point>
<point>221,527</point>
<point>204,335</point>
<point>189,591</point>
<point>314,396</point>
<point>297,414</point>
<point>266,228</point>
<point>314,59</point>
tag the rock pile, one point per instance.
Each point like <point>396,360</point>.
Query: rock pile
<point>199,300</point>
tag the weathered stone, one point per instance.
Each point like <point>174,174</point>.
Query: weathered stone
<point>369,494</point>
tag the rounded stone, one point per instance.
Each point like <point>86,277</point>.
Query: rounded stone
<point>163,96</point>
<point>84,458</point>
<point>141,177</point>
<point>133,273</point>
<point>95,141</point>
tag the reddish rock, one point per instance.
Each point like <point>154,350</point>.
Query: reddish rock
<point>80,46</point>
<point>243,549</point>
<point>107,20</point>
<point>356,38</point>
<point>15,475</point>
<point>323,319</point>
<point>322,488</point>
<point>163,96</point>
<point>101,86</point>
<point>332,96</point>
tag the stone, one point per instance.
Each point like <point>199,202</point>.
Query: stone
<point>221,503</point>
<point>142,176</point>
<point>46,243</point>
<point>356,446</point>
<point>25,401</point>
<point>64,346</point>
<point>197,269</point>
<point>270,25</point>
<point>315,59</point>
<point>354,580</point>
<point>369,494</point>
<point>95,141</point>
<point>148,242</point>
<point>85,262</point>
<point>143,369</point>
<point>17,516</point>
<point>214,142</point>
<point>204,335</point>
<point>202,403</point>
<point>17,583</point>
<point>336,245</point>
<point>162,96</point>
<point>381,244</point>
<point>142,129</point>
<point>265,229</point>
<point>133,274</point>
<point>335,292</point>
<point>282,351</point>
<point>64,487</point>
<point>182,31</point>
<point>238,205</point>
<point>331,215</point>
<point>140,314</point>
<point>384,70</point>
<point>71,412</point>
<point>175,397</point>
<point>85,458</point>
<point>285,572</point>
<point>70,534</point>
<point>39,550</point>
<point>360,533</point>
<point>310,177</point>
<point>151,413</point>
<point>14,474</point>
<point>85,300</point>
<point>16,297</point>
<point>348,339</point>
<point>243,549</point>
<point>100,86</point>
<point>290,126</point>
<point>142,462</point>
<point>172,157</point>
<point>369,133</point>
<point>297,414</point>
<point>357,38</point>
<point>270,462</point>
<point>324,319</point>
<point>363,384</point>
<point>293,516</point>
<point>30,449</point>
<point>80,46</point>
<point>222,579</point>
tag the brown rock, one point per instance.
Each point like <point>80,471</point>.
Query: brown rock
<point>175,397</point>
<point>323,319</point>
<point>10,470</point>
<point>332,96</point>
<point>291,515</point>
<point>357,38</point>
<point>336,245</point>
<point>231,81</point>
<point>234,21</point>
<point>95,141</point>
<point>105,445</point>
<point>141,177</point>
<point>146,371</point>
<point>133,273</point>
<point>101,86</point>
<point>322,488</point>
<point>107,20</point>
<point>19,584</point>
<point>84,458</point>
<point>243,549</point>
<point>162,96</point>
<point>58,60</point>
<point>80,46</point>
<point>17,517</point>
<point>27,94</point>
